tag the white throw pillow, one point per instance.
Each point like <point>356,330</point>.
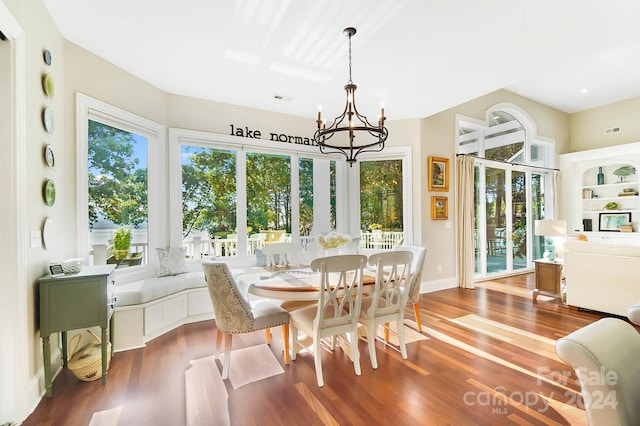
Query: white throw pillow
<point>171,261</point>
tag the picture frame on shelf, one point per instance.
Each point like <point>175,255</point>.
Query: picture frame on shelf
<point>439,208</point>
<point>611,222</point>
<point>438,173</point>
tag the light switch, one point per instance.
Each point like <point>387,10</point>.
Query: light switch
<point>36,239</point>
<point>448,225</point>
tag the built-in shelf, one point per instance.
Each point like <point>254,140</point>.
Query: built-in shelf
<point>583,201</point>
<point>595,197</point>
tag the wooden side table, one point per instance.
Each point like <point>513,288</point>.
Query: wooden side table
<point>72,302</point>
<point>548,278</point>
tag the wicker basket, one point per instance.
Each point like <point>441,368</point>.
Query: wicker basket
<point>86,362</point>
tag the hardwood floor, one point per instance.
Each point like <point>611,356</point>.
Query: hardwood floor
<point>488,360</point>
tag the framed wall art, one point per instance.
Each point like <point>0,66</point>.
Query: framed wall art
<point>611,222</point>
<point>438,170</point>
<point>439,208</point>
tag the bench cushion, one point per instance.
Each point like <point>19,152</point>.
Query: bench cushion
<point>154,288</point>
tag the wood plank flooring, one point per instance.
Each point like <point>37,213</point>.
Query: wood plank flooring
<point>488,360</point>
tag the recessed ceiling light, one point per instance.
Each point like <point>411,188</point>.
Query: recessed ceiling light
<point>584,90</point>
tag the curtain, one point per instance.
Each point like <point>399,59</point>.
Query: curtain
<point>554,188</point>
<point>464,215</point>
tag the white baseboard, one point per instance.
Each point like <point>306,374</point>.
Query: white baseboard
<point>36,387</point>
<point>443,284</point>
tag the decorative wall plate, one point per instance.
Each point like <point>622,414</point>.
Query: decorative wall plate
<point>47,85</point>
<point>46,55</point>
<point>49,158</point>
<point>49,233</point>
<point>49,192</point>
<point>47,119</point>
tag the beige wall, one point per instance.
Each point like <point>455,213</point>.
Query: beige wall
<point>76,70</point>
<point>587,127</point>
<point>439,139</point>
<point>40,34</point>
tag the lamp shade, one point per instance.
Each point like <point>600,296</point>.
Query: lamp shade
<point>551,228</point>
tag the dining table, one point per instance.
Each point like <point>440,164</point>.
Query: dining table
<point>297,282</point>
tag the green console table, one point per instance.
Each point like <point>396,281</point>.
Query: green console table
<point>72,302</point>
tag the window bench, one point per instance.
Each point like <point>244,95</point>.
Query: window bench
<point>150,307</point>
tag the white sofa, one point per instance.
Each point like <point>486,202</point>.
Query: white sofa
<point>601,276</point>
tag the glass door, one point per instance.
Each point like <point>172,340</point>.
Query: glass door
<point>495,223</point>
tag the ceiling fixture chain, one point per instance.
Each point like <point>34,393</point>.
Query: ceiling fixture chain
<point>350,124</point>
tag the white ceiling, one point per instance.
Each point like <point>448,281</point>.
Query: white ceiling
<point>418,57</point>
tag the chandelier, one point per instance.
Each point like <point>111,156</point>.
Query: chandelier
<point>340,136</point>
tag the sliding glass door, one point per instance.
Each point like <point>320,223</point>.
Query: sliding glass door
<point>508,201</point>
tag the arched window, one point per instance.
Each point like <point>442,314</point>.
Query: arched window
<point>514,186</point>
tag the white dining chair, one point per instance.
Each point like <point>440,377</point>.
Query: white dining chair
<point>234,314</point>
<point>338,308</point>
<point>417,263</point>
<point>281,254</point>
<point>389,298</point>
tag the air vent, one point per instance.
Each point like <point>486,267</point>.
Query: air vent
<point>282,97</point>
<point>611,130</point>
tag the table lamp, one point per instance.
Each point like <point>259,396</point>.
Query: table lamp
<point>550,229</point>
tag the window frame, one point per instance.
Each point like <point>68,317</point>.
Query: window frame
<point>88,108</point>
<point>241,145</point>
<point>346,177</point>
<point>402,153</point>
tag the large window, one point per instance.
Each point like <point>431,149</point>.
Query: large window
<point>513,188</point>
<point>237,198</point>
<point>381,203</point>
<point>117,186</point>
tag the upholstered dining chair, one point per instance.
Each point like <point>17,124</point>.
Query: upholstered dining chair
<point>417,263</point>
<point>338,309</point>
<point>281,254</point>
<point>389,298</point>
<point>604,355</point>
<point>234,314</point>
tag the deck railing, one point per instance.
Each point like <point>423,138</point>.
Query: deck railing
<point>198,247</point>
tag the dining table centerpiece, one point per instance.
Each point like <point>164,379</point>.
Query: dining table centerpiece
<point>335,243</point>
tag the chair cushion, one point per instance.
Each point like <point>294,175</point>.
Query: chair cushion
<point>267,314</point>
<point>155,288</point>
<point>304,317</point>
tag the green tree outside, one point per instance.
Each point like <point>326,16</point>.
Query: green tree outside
<point>117,183</point>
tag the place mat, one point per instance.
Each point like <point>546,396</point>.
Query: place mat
<point>206,395</point>
<point>252,364</point>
